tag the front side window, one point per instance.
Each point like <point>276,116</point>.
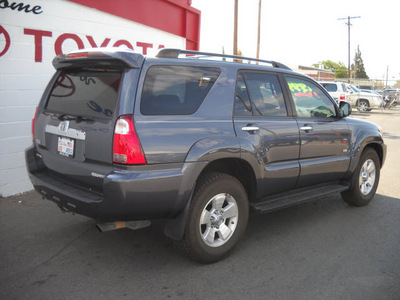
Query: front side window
<point>176,90</point>
<point>259,94</point>
<point>310,101</point>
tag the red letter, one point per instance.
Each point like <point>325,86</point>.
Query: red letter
<point>144,46</point>
<point>93,43</point>
<point>123,42</point>
<point>38,34</point>
<point>66,36</point>
<point>7,38</point>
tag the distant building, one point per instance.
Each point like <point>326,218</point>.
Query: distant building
<point>317,74</point>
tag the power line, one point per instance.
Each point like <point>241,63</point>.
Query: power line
<point>349,26</point>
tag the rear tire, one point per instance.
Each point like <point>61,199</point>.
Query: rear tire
<point>365,179</point>
<point>363,106</point>
<point>217,218</point>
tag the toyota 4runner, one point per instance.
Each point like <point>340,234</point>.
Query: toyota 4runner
<point>126,139</point>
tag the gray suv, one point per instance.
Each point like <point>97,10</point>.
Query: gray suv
<point>200,143</point>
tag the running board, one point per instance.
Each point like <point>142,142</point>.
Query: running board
<point>297,197</point>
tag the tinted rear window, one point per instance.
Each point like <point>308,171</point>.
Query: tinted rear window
<point>85,93</point>
<point>176,90</point>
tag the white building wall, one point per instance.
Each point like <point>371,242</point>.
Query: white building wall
<point>26,66</point>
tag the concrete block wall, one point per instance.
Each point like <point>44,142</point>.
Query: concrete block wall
<point>31,34</point>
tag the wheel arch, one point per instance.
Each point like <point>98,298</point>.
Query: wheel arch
<point>236,167</point>
<point>377,146</point>
<point>363,99</point>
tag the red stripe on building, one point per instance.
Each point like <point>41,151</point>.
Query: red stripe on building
<point>173,16</point>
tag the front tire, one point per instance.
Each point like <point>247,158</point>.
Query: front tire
<point>364,181</point>
<point>217,218</point>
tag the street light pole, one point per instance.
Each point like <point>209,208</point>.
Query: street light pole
<point>348,62</point>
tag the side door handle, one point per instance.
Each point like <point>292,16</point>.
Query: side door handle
<point>306,128</point>
<point>250,129</point>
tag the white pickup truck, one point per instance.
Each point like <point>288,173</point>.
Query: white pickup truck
<point>343,91</point>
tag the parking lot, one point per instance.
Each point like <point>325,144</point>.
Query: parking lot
<point>323,249</point>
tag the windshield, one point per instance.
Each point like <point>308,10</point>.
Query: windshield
<point>354,88</point>
<point>85,93</point>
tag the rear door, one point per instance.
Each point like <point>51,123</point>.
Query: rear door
<point>74,127</point>
<point>261,119</point>
<point>324,136</point>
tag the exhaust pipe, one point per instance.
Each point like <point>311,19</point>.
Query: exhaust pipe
<point>108,226</point>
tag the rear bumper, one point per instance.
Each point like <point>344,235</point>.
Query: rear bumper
<point>142,194</point>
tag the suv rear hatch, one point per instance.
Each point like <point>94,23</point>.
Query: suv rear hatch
<point>75,121</point>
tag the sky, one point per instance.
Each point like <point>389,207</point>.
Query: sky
<point>306,32</point>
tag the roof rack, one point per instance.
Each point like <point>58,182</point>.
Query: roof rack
<point>174,53</point>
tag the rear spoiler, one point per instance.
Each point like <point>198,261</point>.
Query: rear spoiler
<point>103,57</point>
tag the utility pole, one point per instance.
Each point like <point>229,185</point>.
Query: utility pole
<point>349,26</point>
<point>259,26</point>
<point>235,29</point>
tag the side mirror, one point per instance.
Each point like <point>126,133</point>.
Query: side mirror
<point>344,109</point>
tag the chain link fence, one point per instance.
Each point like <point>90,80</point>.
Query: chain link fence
<point>371,84</point>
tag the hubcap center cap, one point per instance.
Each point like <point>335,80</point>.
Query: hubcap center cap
<point>364,176</point>
<point>217,219</point>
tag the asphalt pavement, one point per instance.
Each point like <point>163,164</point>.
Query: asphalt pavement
<point>322,249</point>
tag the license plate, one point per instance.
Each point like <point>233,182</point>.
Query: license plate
<point>65,146</point>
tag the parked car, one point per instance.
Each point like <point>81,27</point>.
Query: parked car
<point>371,92</point>
<point>364,101</point>
<point>338,90</point>
<point>126,139</point>
<point>391,94</point>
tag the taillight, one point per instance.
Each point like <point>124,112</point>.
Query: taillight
<point>342,97</point>
<point>126,146</point>
<point>33,124</point>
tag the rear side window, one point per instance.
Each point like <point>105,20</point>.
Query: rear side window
<point>176,90</point>
<point>84,93</point>
<point>330,87</point>
<point>259,94</point>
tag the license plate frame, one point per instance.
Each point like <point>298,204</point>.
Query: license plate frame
<point>66,146</point>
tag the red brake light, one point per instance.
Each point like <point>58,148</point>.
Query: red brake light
<point>33,124</point>
<point>342,97</point>
<point>77,55</point>
<point>126,146</point>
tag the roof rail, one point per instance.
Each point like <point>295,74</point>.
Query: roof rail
<point>174,53</point>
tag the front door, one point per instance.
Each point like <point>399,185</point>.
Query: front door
<point>324,136</point>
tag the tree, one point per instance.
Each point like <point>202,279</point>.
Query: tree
<point>338,67</point>
<point>358,67</point>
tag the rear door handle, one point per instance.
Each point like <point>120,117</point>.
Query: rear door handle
<point>250,128</point>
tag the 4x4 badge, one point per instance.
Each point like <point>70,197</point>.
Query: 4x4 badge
<point>64,125</point>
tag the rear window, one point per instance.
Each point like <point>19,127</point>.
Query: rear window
<point>176,90</point>
<point>85,93</point>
